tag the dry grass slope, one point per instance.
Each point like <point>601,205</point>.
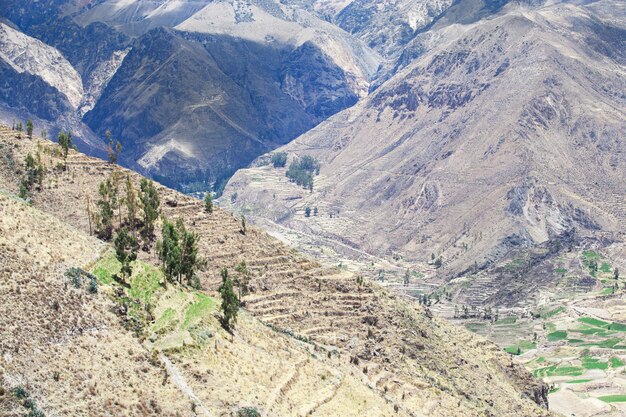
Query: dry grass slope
<point>366,351</point>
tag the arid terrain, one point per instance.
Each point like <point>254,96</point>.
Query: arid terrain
<point>311,340</point>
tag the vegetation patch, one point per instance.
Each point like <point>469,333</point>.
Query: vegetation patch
<point>145,281</point>
<point>558,335</point>
<point>616,362</point>
<point>555,370</point>
<point>554,312</point>
<point>107,267</point>
<point>606,343</point>
<point>197,311</point>
<point>620,398</point>
<point>520,347</point>
<point>594,363</point>
<point>593,322</point>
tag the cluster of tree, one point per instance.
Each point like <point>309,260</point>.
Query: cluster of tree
<point>142,209</point>
<point>178,252</point>
<point>301,171</point>
<point>19,128</point>
<point>279,159</point>
<point>33,176</point>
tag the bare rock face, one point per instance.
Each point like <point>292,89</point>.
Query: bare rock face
<point>507,133</point>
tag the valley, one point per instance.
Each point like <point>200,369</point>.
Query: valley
<point>301,207</point>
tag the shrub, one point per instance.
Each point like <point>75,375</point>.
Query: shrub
<point>248,412</point>
<point>93,286</point>
<point>279,159</point>
<point>21,393</point>
<point>75,276</point>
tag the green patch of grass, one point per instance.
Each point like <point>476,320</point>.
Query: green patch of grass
<point>521,347</point>
<point>507,320</point>
<point>593,322</point>
<point>591,255</point>
<point>608,291</point>
<point>540,359</point>
<point>619,398</point>
<point>574,341</point>
<point>554,312</point>
<point>106,268</point>
<point>618,327</point>
<point>166,321</point>
<point>605,267</point>
<point>560,271</point>
<point>555,370</point>
<point>578,381</point>
<point>616,362</point>
<point>594,363</point>
<point>606,343</point>
<point>558,335</point>
<point>145,281</point>
<point>198,310</point>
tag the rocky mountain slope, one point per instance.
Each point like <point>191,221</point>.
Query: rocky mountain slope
<point>505,135</point>
<point>217,83</point>
<point>311,340</point>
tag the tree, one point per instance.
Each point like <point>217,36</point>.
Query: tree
<point>132,205</point>
<point>208,202</point>
<point>407,277</point>
<point>105,211</point>
<point>168,250</point>
<point>243,225</point>
<point>230,303</point>
<point>242,280</point>
<point>616,273</point>
<point>29,129</point>
<point>125,251</point>
<point>307,212</point>
<point>65,141</point>
<point>114,148</point>
<point>150,204</point>
<point>189,260</point>
<point>315,211</point>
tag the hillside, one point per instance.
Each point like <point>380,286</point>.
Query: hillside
<point>310,340</point>
<point>505,135</point>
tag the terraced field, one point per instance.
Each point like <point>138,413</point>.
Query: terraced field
<point>575,340</point>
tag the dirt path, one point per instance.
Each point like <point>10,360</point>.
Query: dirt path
<point>181,383</point>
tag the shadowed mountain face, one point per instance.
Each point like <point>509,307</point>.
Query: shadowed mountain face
<point>190,104</point>
<point>199,106</point>
<point>508,134</point>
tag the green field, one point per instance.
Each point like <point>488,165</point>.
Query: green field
<point>558,335</point>
<point>613,398</point>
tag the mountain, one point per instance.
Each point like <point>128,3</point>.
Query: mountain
<point>218,83</point>
<point>506,134</point>
<point>310,340</point>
